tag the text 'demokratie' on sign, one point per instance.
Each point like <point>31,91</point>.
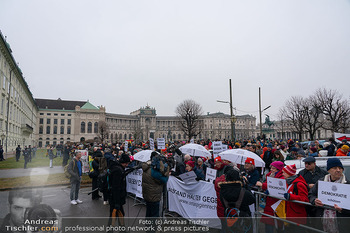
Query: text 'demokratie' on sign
<point>334,193</point>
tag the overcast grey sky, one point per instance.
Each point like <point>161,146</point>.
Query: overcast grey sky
<point>125,54</point>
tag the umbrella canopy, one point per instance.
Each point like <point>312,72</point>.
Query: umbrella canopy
<point>239,156</point>
<point>143,155</point>
<point>195,150</point>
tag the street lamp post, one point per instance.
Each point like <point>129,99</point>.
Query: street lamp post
<point>2,138</point>
<point>233,119</point>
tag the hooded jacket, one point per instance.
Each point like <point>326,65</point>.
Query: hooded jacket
<point>297,188</point>
<point>117,182</point>
<point>230,192</point>
<point>152,188</point>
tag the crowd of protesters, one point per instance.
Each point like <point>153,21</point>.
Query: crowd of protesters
<point>234,183</point>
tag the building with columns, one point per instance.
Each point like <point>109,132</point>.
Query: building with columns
<point>18,111</point>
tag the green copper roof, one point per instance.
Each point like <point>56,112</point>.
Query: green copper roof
<point>89,106</point>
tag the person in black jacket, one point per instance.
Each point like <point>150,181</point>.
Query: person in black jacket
<point>312,173</point>
<point>230,196</point>
<point>117,183</point>
<point>332,220</point>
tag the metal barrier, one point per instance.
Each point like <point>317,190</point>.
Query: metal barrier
<point>257,206</point>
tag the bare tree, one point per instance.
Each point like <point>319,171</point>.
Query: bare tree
<point>102,130</point>
<point>295,112</point>
<point>313,116</point>
<point>335,109</point>
<point>190,114</point>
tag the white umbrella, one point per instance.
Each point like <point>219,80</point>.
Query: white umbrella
<point>143,155</point>
<point>239,156</point>
<point>195,150</point>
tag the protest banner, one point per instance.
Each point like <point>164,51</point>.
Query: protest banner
<point>134,183</point>
<point>339,137</point>
<point>151,143</point>
<point>160,143</point>
<point>188,177</point>
<point>217,148</point>
<point>331,193</point>
<point>85,168</point>
<point>210,175</point>
<point>195,200</point>
<point>276,187</point>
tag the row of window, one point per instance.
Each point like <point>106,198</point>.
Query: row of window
<point>89,127</point>
<point>55,114</point>
<point>55,121</point>
<point>48,130</point>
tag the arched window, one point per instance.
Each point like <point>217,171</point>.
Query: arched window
<point>47,129</point>
<point>55,130</point>
<point>125,136</point>
<point>68,130</point>
<point>89,127</point>
<point>41,130</point>
<point>82,127</point>
<point>179,136</point>
<point>62,130</point>
<point>95,127</point>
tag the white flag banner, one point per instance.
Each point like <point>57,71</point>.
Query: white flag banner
<point>217,148</point>
<point>151,143</point>
<point>341,136</point>
<point>160,143</point>
<point>85,167</point>
<point>134,183</point>
<point>331,193</point>
<point>194,200</point>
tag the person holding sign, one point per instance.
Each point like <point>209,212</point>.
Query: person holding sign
<point>297,190</point>
<point>251,174</point>
<point>332,221</point>
<point>275,172</point>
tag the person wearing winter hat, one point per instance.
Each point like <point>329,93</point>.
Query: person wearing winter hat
<point>311,172</point>
<point>219,166</point>
<point>275,172</point>
<point>333,220</point>
<point>343,151</point>
<point>251,175</point>
<point>313,152</point>
<point>189,166</point>
<point>296,190</point>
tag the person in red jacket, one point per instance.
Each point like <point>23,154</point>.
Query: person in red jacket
<point>275,172</point>
<point>297,190</point>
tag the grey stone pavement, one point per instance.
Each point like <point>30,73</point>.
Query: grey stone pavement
<point>18,172</point>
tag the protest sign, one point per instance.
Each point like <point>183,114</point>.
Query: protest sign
<point>217,148</point>
<point>188,177</point>
<point>134,183</point>
<point>160,143</point>
<point>195,200</point>
<point>151,143</point>
<point>331,193</point>
<point>192,141</point>
<point>276,187</point>
<point>85,168</point>
<point>339,137</point>
<point>126,145</point>
<point>210,175</point>
<point>224,147</point>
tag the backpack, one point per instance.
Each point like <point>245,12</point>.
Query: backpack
<point>66,173</point>
<point>103,181</point>
<point>236,220</point>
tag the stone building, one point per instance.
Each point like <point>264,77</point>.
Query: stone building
<point>144,123</point>
<point>62,121</point>
<point>18,111</point>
